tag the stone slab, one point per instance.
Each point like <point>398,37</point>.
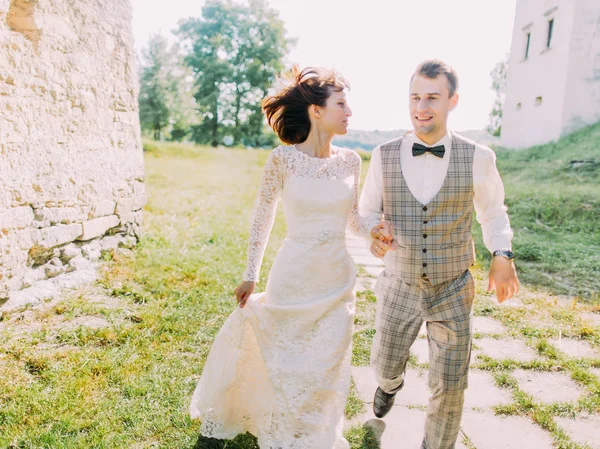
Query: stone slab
<point>59,235</point>
<point>366,260</point>
<point>591,318</point>
<point>373,270</point>
<point>548,387</point>
<point>585,429</point>
<point>483,392</point>
<point>595,372</point>
<point>487,325</point>
<point>575,348</point>
<point>356,250</point>
<point>414,393</point>
<point>98,226</point>
<point>402,428</point>
<point>504,349</point>
<point>488,431</point>
<point>420,349</point>
<point>364,283</point>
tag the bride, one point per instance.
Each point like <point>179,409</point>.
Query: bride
<point>279,367</point>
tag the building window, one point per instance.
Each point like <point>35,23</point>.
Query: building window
<point>538,101</point>
<point>518,106</point>
<point>550,30</point>
<point>527,43</point>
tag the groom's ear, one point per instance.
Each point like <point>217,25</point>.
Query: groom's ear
<point>453,101</point>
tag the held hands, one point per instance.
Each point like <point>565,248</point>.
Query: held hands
<point>503,277</point>
<point>383,239</point>
<point>243,292</point>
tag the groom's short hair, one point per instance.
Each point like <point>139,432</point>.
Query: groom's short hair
<point>432,68</point>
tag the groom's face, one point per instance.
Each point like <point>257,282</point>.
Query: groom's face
<point>430,104</point>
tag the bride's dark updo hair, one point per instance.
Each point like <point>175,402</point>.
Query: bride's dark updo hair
<point>287,110</point>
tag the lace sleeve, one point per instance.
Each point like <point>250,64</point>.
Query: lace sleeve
<point>264,213</point>
<point>357,223</point>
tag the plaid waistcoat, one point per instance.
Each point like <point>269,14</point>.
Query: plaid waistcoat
<point>435,239</point>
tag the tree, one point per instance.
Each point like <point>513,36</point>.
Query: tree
<point>498,75</point>
<point>182,104</point>
<point>234,51</point>
<point>154,86</point>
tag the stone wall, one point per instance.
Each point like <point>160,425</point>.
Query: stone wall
<point>543,74</point>
<point>582,104</point>
<point>71,165</point>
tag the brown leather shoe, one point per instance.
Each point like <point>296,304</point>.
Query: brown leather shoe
<point>383,402</point>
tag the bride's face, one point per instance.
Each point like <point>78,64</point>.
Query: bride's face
<point>333,117</point>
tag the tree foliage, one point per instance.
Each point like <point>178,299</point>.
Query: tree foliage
<point>498,75</point>
<point>234,51</point>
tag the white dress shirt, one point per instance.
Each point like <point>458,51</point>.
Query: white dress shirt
<point>425,175</point>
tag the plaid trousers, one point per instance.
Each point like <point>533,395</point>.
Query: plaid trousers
<point>447,310</point>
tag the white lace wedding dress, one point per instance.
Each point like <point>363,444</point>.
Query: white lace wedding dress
<point>279,368</point>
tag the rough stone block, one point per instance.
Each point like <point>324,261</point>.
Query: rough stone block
<point>97,227</point>
<point>59,235</point>
<point>104,208</point>
<point>69,252</point>
<point>48,216</point>
<point>110,242</point>
<point>54,268</point>
<point>128,242</point>
<point>33,276</point>
<point>548,387</point>
<point>16,217</point>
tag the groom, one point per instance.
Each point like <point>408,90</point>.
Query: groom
<point>427,184</point>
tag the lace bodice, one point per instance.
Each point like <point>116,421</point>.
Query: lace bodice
<point>320,195</point>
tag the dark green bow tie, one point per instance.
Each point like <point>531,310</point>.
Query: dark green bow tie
<point>419,149</point>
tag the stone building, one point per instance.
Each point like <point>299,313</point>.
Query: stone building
<point>71,163</point>
<point>553,80</point>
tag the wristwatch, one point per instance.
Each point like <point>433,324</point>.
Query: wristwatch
<point>504,253</point>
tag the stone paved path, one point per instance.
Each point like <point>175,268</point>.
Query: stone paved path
<point>517,367</point>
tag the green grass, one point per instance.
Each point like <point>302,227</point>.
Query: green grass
<point>128,385</point>
<point>554,207</point>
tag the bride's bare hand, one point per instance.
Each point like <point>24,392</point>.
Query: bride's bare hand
<point>243,292</point>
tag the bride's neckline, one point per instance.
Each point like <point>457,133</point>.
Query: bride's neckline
<point>333,155</point>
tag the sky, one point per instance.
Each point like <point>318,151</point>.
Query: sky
<point>376,45</point>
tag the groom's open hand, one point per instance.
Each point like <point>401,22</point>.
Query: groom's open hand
<point>503,277</point>
<point>383,239</point>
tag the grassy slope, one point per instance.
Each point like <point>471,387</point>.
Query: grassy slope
<point>554,207</point>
